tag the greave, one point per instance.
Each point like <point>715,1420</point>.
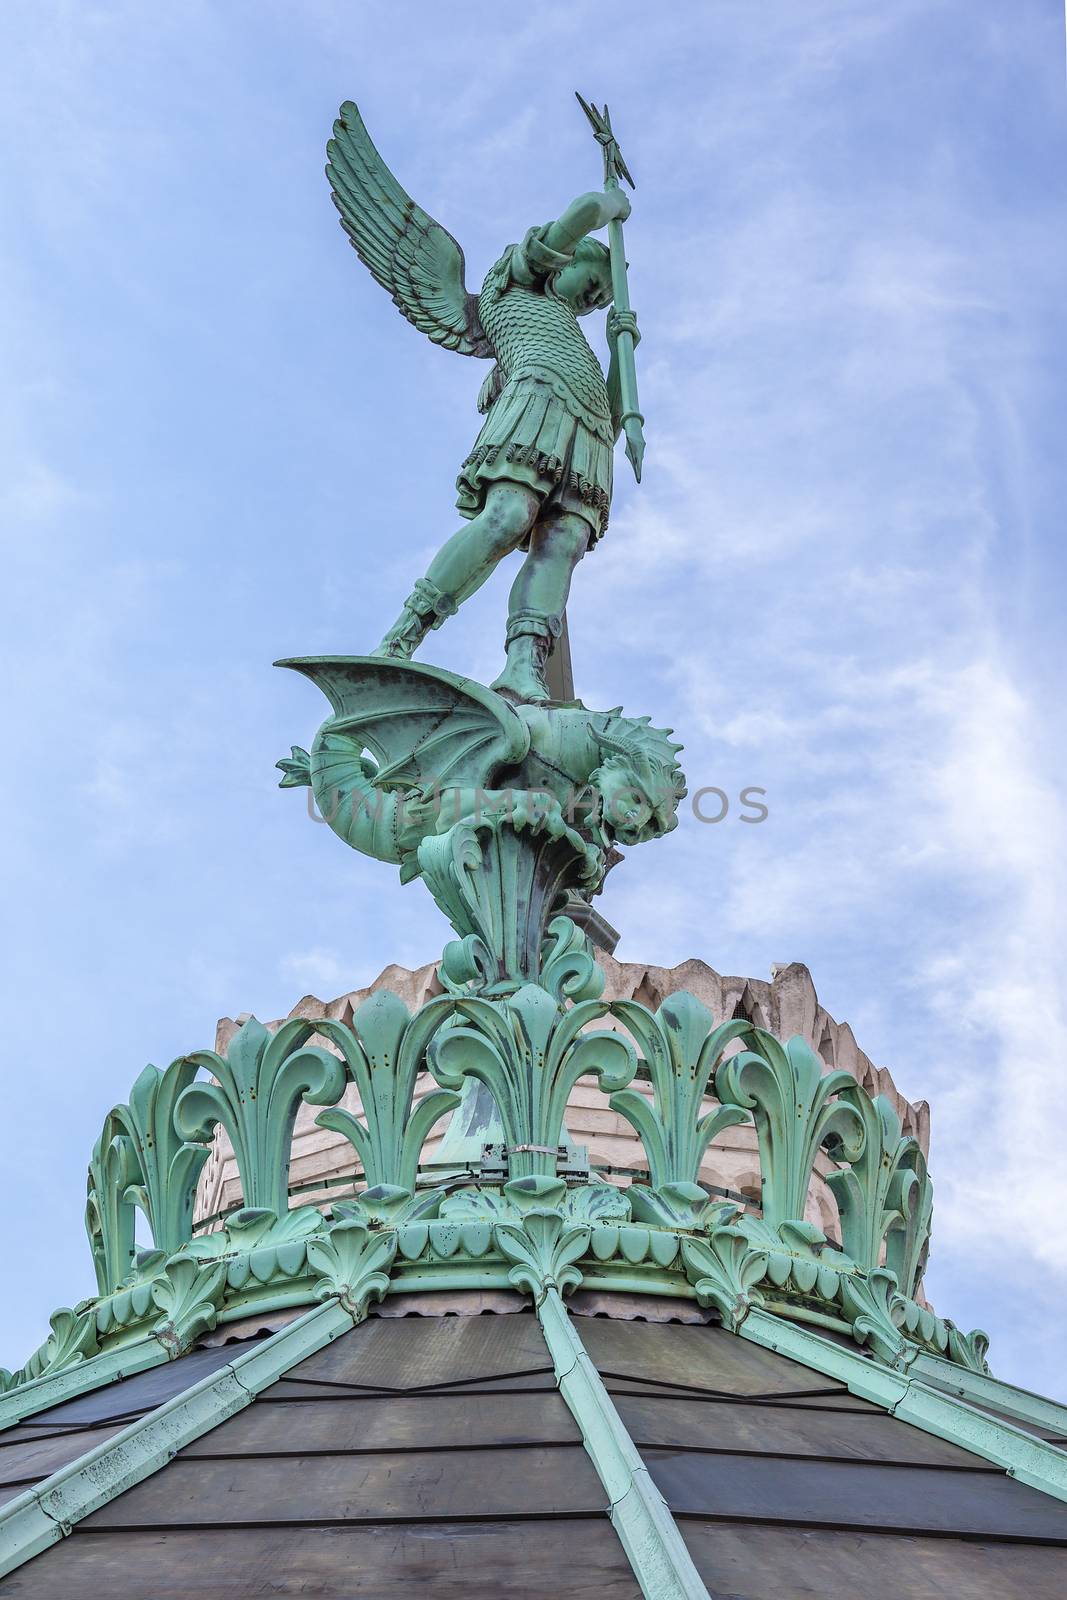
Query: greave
<point>529,640</point>
<point>426,607</point>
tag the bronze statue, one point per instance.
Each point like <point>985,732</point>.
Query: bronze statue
<point>539,475</point>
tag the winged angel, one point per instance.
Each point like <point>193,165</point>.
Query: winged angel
<point>539,475</point>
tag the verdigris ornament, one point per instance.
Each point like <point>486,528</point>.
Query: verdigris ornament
<point>352,1262</point>
<point>584,1203</point>
<point>723,1268</point>
<point>384,1051</point>
<point>260,1083</point>
<point>529,1054</point>
<point>168,1168</point>
<point>503,810</point>
<point>968,1349</point>
<point>869,1192</point>
<point>110,1219</point>
<point>386,1205</point>
<point>907,1242</point>
<point>874,1306</point>
<point>188,1294</point>
<point>539,476</point>
<point>682,1048</point>
<point>71,1341</point>
<point>254,1228</point>
<point>544,1247</point>
<point>792,1104</point>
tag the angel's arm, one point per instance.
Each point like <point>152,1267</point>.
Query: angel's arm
<point>585,215</point>
<point>618,322</point>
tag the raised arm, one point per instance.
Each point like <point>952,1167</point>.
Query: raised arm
<point>586,215</point>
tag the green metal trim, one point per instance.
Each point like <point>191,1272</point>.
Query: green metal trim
<point>639,1514</point>
<point>41,1516</point>
<point>799,1313</point>
<point>544,1247</point>
<point>55,1387</point>
<point>658,1283</point>
<point>447,1277</point>
<point>979,1389</point>
<point>1022,1455</point>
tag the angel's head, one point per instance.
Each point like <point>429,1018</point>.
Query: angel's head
<point>585,282</point>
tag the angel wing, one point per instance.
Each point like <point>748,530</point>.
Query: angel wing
<point>423,725</point>
<point>409,253</point>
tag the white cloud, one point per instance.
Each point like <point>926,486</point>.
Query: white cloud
<point>320,972</point>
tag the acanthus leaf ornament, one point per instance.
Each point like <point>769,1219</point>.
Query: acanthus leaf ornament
<point>255,1228</point>
<point>189,1294</point>
<point>260,1084</point>
<point>384,1051</point>
<point>168,1167</point>
<point>529,1055</point>
<point>544,1247</point>
<point>908,1241</point>
<point>874,1306</point>
<point>682,1049</point>
<point>793,1106</point>
<point>352,1263</point>
<point>72,1340</point>
<point>968,1349</point>
<point>723,1268</point>
<point>867,1190</point>
<point>109,1207</point>
<point>568,967</point>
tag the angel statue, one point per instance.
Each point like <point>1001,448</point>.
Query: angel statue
<point>538,477</point>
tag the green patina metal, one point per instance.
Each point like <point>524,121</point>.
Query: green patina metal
<point>527,1050</point>
<point>797,1109</point>
<point>46,1513</point>
<point>107,1366</point>
<point>1023,1455</point>
<point>980,1389</point>
<point>502,810</point>
<point>869,1192</point>
<point>384,1051</point>
<point>544,1246</point>
<point>539,475</point>
<point>508,807</point>
<point>260,1083</point>
<point>529,1055</point>
<point>682,1048</point>
<point>140,1163</point>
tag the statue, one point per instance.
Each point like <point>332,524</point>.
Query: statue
<point>507,805</point>
<point>504,811</point>
<point>539,475</point>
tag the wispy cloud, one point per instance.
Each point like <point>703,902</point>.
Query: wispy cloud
<point>837,580</point>
<point>321,972</point>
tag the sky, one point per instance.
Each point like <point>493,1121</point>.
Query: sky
<point>840,579</point>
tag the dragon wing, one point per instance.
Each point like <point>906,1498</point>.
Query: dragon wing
<point>409,253</point>
<point>424,726</point>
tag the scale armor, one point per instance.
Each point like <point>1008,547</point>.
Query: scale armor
<point>535,335</point>
<point>548,418</point>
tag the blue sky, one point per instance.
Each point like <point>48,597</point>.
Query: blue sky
<point>841,578</point>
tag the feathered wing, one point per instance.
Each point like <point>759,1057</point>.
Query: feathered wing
<point>409,253</point>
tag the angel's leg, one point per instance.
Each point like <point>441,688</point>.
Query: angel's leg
<point>537,601</point>
<point>462,565</point>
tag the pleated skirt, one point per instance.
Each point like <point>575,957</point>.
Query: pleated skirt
<point>532,436</point>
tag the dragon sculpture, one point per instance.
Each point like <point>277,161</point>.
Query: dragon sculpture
<point>486,801</point>
<point>507,804</point>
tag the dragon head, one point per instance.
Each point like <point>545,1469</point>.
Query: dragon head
<point>639,780</point>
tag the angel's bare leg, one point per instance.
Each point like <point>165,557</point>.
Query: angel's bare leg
<point>462,565</point>
<point>537,601</point>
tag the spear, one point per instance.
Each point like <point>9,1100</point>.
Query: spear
<point>614,169</point>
